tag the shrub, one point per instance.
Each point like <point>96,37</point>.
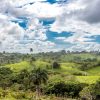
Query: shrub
<point>91,92</point>
<point>55,65</point>
<point>87,93</point>
<point>18,95</point>
<point>80,73</point>
<point>70,89</point>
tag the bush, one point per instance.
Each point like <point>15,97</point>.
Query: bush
<point>70,89</point>
<point>5,77</point>
<point>80,73</point>
<point>17,87</point>
<point>91,92</point>
<point>18,95</point>
<point>86,93</point>
<point>55,65</point>
<point>5,71</point>
<point>96,87</point>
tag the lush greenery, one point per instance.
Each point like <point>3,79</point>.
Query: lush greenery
<point>50,76</point>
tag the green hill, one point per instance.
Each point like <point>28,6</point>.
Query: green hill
<point>94,71</point>
<point>90,76</point>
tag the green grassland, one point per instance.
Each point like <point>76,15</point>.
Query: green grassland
<point>90,76</point>
<point>94,71</point>
<point>19,66</point>
<point>70,57</point>
<point>69,71</point>
<point>16,67</point>
<point>87,79</point>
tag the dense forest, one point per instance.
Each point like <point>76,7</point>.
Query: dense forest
<point>50,76</point>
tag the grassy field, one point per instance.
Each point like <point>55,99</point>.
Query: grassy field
<point>26,65</point>
<point>19,66</point>
<point>87,79</point>
<point>69,71</point>
<point>94,71</point>
<point>66,69</point>
<point>70,57</point>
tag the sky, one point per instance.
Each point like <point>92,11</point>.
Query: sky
<point>49,25</point>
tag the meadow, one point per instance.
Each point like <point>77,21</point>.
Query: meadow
<point>74,71</point>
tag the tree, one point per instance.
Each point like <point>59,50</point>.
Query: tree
<point>38,76</point>
<point>63,52</point>
<point>63,89</point>
<point>31,49</point>
<point>96,89</point>
<point>23,78</point>
<point>5,71</point>
<point>32,60</point>
<point>86,93</point>
<point>55,65</point>
<point>5,74</point>
<point>92,92</point>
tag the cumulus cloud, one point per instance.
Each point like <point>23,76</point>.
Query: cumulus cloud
<point>13,37</point>
<point>22,2</point>
<point>91,13</point>
<point>86,10</point>
<point>79,17</point>
<point>44,10</point>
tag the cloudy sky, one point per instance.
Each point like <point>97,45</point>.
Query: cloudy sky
<point>49,25</point>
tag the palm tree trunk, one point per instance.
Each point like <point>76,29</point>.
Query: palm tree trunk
<point>37,92</point>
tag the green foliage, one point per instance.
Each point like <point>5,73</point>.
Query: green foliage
<point>39,76</point>
<point>55,65</point>
<point>5,71</point>
<point>19,95</point>
<point>17,67</point>
<point>87,94</point>
<point>91,92</point>
<point>96,87</point>
<point>5,77</point>
<point>69,74</point>
<point>80,73</point>
<point>87,79</point>
<point>94,71</point>
<point>69,89</point>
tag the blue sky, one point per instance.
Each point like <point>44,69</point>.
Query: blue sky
<point>49,25</point>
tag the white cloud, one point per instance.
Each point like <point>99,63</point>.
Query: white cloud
<point>44,10</point>
<point>87,46</point>
<point>22,2</point>
<point>12,36</point>
<point>80,17</point>
<point>76,18</point>
<point>90,13</point>
<point>10,29</point>
<point>36,30</point>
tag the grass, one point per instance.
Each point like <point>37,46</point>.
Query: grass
<point>71,57</point>
<point>68,72</point>
<point>19,66</point>
<point>66,69</point>
<point>26,65</point>
<point>94,71</point>
<point>71,69</point>
<point>87,79</point>
<point>41,64</point>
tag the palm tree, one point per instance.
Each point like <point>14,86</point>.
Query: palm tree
<point>38,76</point>
<point>32,60</point>
<point>31,50</point>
